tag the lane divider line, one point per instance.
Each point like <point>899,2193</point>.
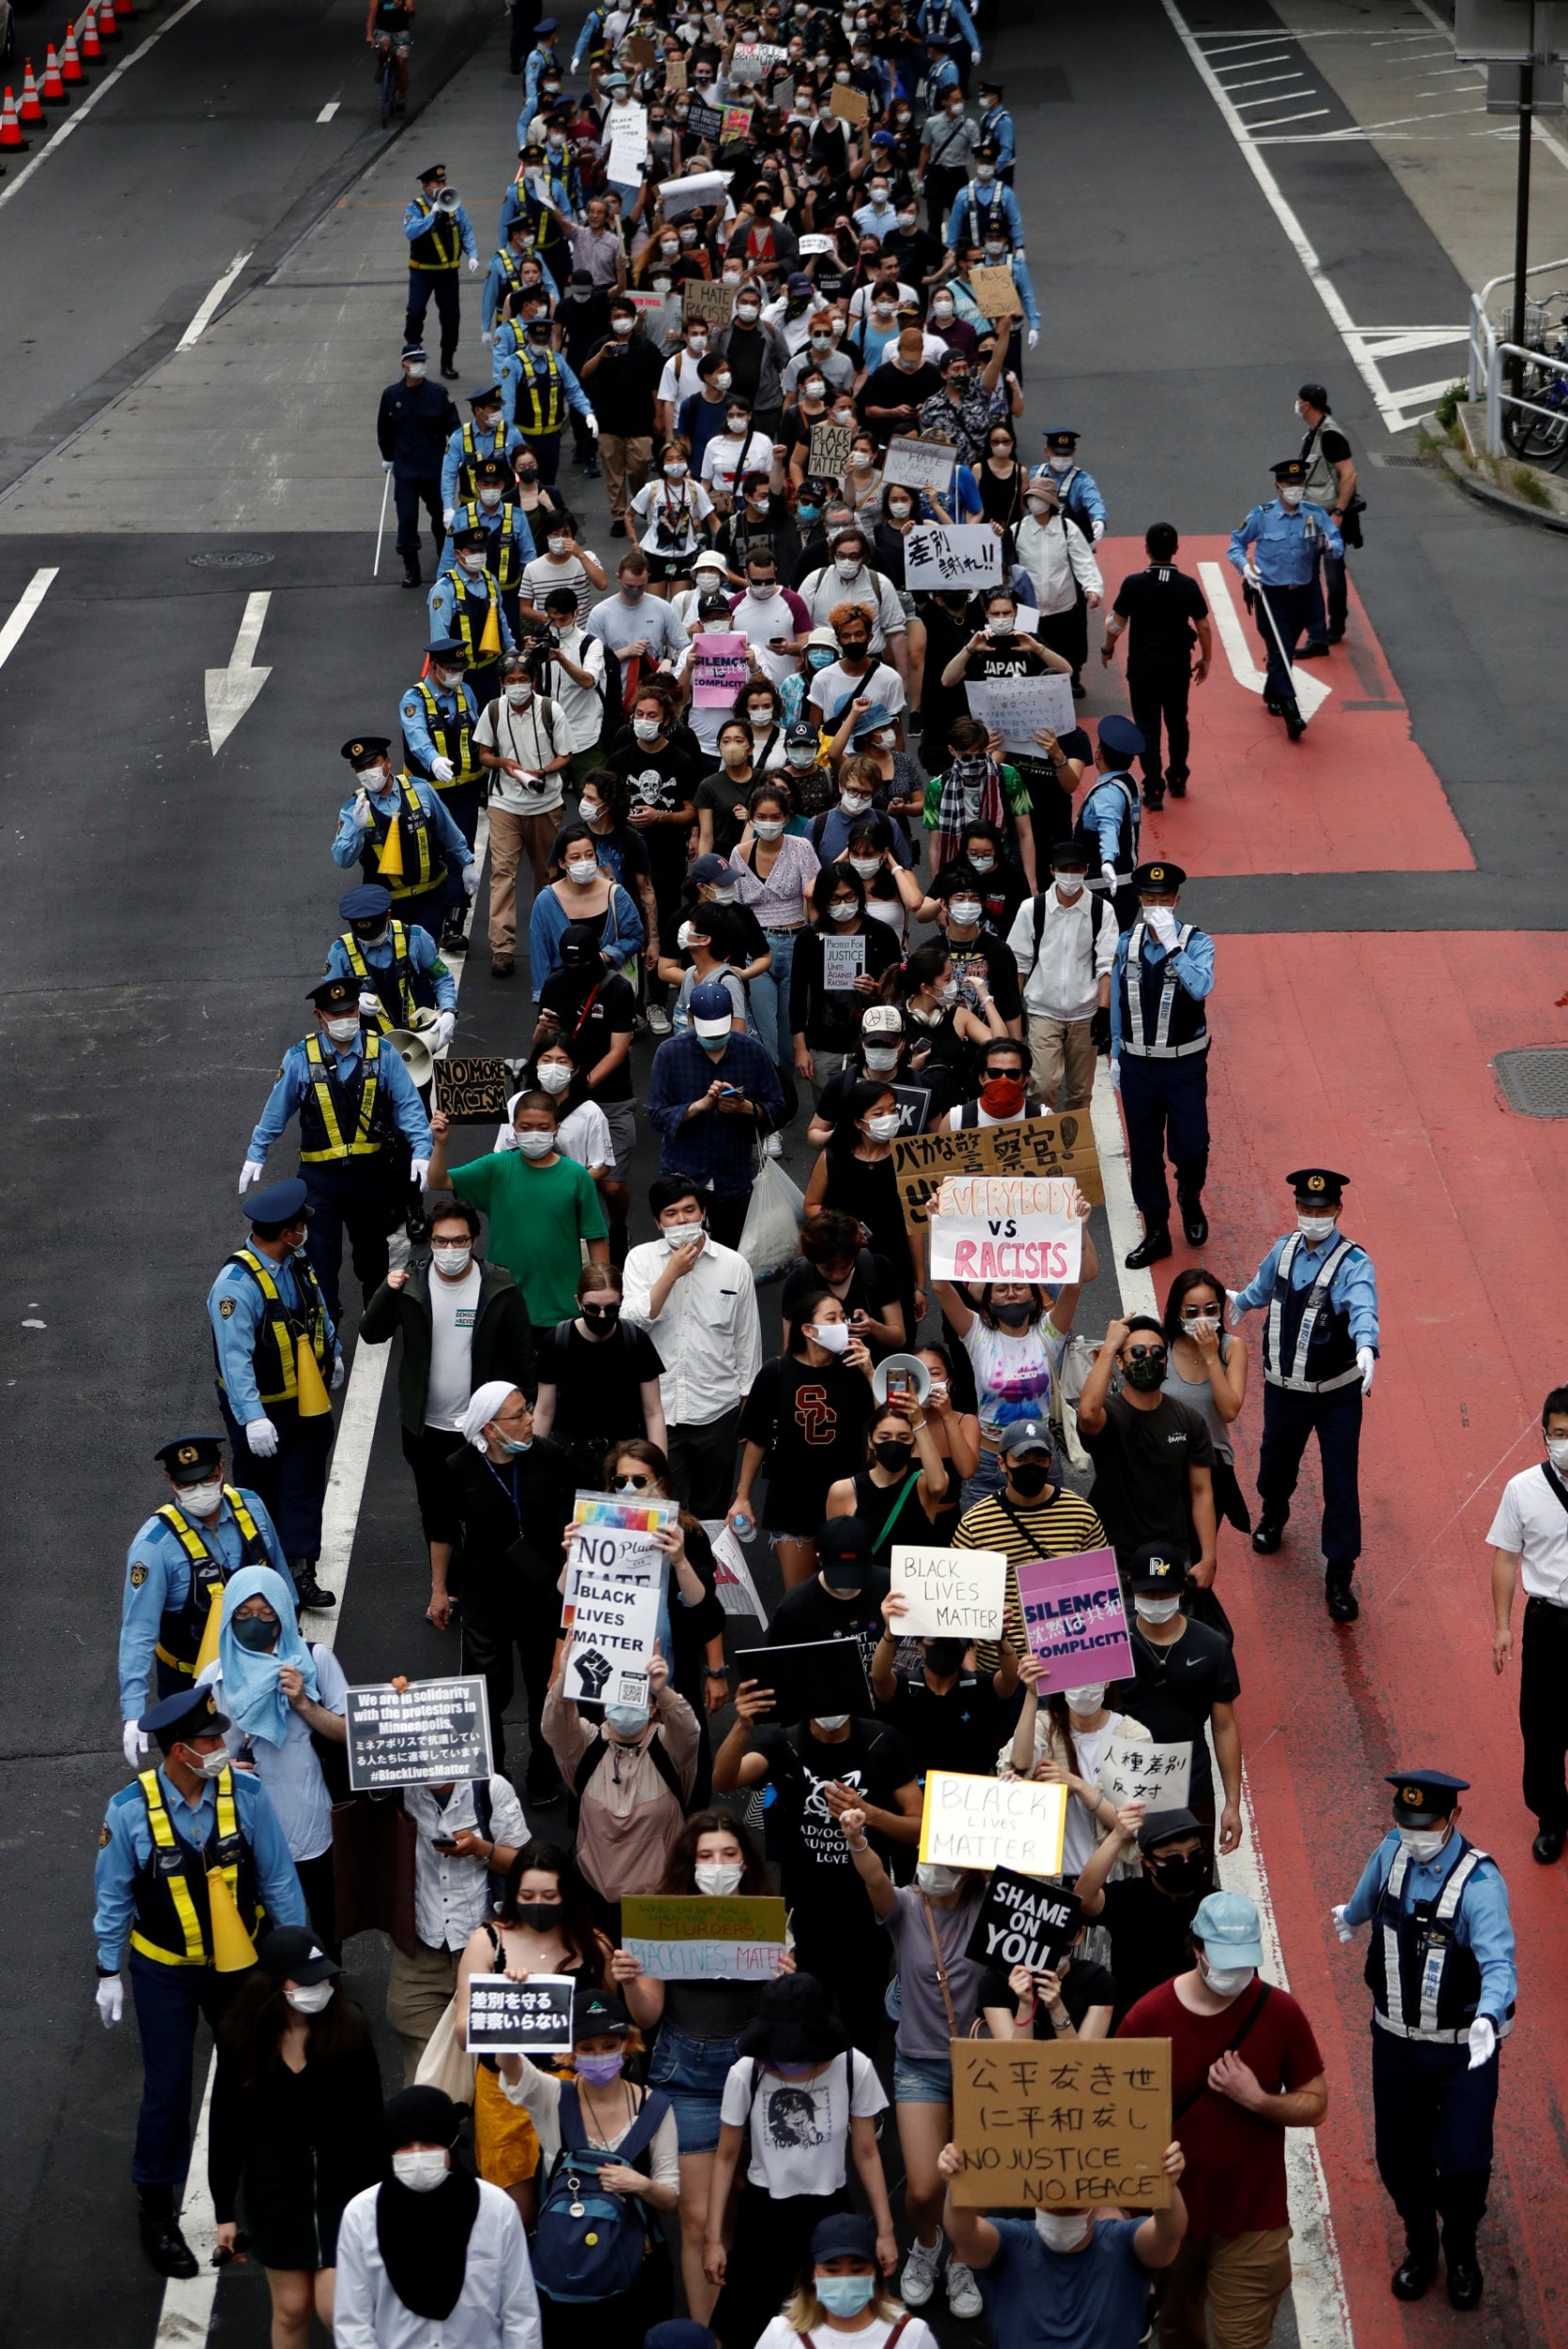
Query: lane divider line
<point>27,604</point>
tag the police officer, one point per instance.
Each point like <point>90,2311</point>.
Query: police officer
<point>1319,1353</point>
<point>162,1844</point>
<point>1172,617</point>
<point>985,206</point>
<point>508,540</point>
<point>398,970</point>
<point>1331,484</point>
<point>465,604</point>
<point>488,435</point>
<point>542,387</point>
<point>265,1299</point>
<point>1441,1972</point>
<point>439,236</point>
<point>523,201</point>
<point>429,844</point>
<point>503,277</point>
<point>1159,1045</point>
<point>414,423</point>
<point>1111,819</point>
<point>175,1572</point>
<point>1276,550</point>
<point>997,129</point>
<point>439,714</point>
<point>1079,491</point>
<point>949,22</point>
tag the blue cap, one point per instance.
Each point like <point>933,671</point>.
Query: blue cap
<point>1121,737</point>
<point>1421,1798</point>
<point>190,1713</point>
<point>844,2236</point>
<point>188,1457</point>
<point>710,1008</point>
<point>710,867</point>
<point>452,649</point>
<point>365,902</point>
<point>416,350</point>
<point>1227,1925</point>
<point>280,1203</point>
<point>545,24</point>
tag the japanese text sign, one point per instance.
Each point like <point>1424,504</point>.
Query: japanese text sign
<point>504,2016</point>
<point>1136,1770</point>
<point>1073,2121</point>
<point>1074,1618</point>
<point>421,1736</point>
<point>968,554</point>
<point>1025,1146</point>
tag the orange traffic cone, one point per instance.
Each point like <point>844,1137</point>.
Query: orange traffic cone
<point>91,47</point>
<point>70,59</point>
<point>107,28</point>
<point>31,109</point>
<point>54,91</point>
<point>11,140</point>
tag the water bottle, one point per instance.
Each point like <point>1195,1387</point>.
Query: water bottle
<point>745,1527</point>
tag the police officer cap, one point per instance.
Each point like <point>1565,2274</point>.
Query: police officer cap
<point>192,1713</point>
<point>1159,878</point>
<point>468,539</point>
<point>1421,1798</point>
<point>188,1457</point>
<point>449,649</point>
<point>1289,469</point>
<point>1069,856</point>
<point>987,152</point>
<point>491,393</point>
<point>280,1203</point>
<point>368,902</point>
<point>365,750</point>
<point>1318,1185</point>
<point>1121,737</point>
<point>545,24</point>
<point>1061,441</point>
<point>416,350</point>
<point>995,87</point>
<point>1025,1435</point>
<point>1164,1826</point>
<point>532,153</point>
<point>1159,1566</point>
<point>436,171</point>
<point>334,994</point>
<point>492,470</point>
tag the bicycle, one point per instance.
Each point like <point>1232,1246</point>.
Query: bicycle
<point>388,77</point>
<point>1531,433</point>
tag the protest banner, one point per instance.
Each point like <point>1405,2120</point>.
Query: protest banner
<point>647,305</point>
<point>1074,1618</point>
<point>675,75</point>
<point>735,122</point>
<point>952,1594</point>
<point>992,1822</point>
<point>732,1576</point>
<point>1135,1770</point>
<point>613,1627</point>
<point>815,242</point>
<point>849,103</point>
<point>1006,1227</point>
<point>712,301</point>
<point>720,667</point>
<point>505,2015</point>
<point>1015,706</point>
<point>468,1090</point>
<point>809,1677</point>
<point>995,293</point>
<point>829,455</point>
<point>967,555</point>
<point>638,51</point>
<point>676,1938</point>
<point>695,188</point>
<point>914,1106</point>
<point>1024,1922</point>
<point>1085,2120</point>
<point>628,152</point>
<point>918,464</point>
<point>842,960</point>
<point>424,1734</point>
<point>754,61</point>
<point>1025,1146</point>
<point>781,99</point>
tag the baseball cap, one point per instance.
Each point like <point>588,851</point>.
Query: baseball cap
<point>710,1008</point>
<point>1227,1925</point>
<point>882,1019</point>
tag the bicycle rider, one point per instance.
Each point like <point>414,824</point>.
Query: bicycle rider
<point>388,28</point>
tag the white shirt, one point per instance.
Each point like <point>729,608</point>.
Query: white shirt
<point>708,1332</point>
<point>765,625</point>
<point>454,1309</point>
<point>581,706</point>
<point>564,570</point>
<point>680,378</point>
<point>800,2128</point>
<point>832,689</point>
<point>874,593</point>
<point>1533,1524</point>
<point>725,459</point>
<point>1064,984</point>
<point>583,1134</point>
<point>497,2308</point>
<point>1056,555</point>
<point>540,2093</point>
<point>530,736</point>
<point>451,1897</point>
<point>917,2334</point>
<point>862,300</point>
<point>292,1773</point>
<point>670,513</point>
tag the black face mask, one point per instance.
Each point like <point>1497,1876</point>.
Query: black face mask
<point>1030,1477</point>
<point>1181,1875</point>
<point>944,1656</point>
<point>1014,1317</point>
<point>891,1454</point>
<point>601,1319</point>
<point>1146,1373</point>
<point>539,1916</point>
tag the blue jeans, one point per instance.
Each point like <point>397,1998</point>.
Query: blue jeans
<point>770,999</point>
<point>692,2073</point>
<point>921,2079</point>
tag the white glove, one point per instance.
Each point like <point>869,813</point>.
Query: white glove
<point>1346,1933</point>
<point>1164,924</point>
<point>1033,338</point>
<point>250,1172</point>
<point>1366,1362</point>
<point>485,334</point>
<point>420,1171</point>
<point>592,423</point>
<point>1250,574</point>
<point>1108,874</point>
<point>386,464</point>
<point>471,880</point>
<point>447,513</point>
<point>338,1374</point>
<point>362,815</point>
<point>473,265</point>
<point>1235,1312</point>
<point>1115,1069</point>
<point>974,57</point>
<point>134,1744</point>
<point>110,1999</point>
<point>442,769</point>
<point>369,1005</point>
<point>1483,2042</point>
<point>443,1031</point>
<point>262,1436</point>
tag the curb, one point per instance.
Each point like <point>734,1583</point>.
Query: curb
<point>1487,493</point>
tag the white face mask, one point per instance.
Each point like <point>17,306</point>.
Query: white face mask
<point>343,1031</point>
<point>1069,887</point>
<point>964,911</point>
<point>1557,1450</point>
<point>847,565</point>
<point>1226,1982</point>
<point>582,870</point>
<point>718,1876</point>
<point>208,1764</point>
<point>590,812</point>
<point>1088,1699</point>
<point>199,1500</point>
<point>1423,1843</point>
<point>1290,496</point>
<point>853,803</point>
<point>1063,2231</point>
<point>415,375</point>
<point>558,543</point>
<point>767,826</point>
<point>676,469</point>
<point>844,913</point>
<point>552,1076</point>
<point>490,498</point>
<point>536,1145</point>
<point>983,864</point>
<point>832,1337</point>
<point>420,2172</point>
<point>830,1720</point>
<point>314,1998</point>
<point>519,696</point>
<point>682,1235</point>
<point>453,1260</point>
<point>866,865</point>
<point>939,1881</point>
<point>884,1127</point>
<point>473,564</point>
<point>646,729</point>
<point>881,1059</point>
<point>1314,1226</point>
<point>1156,1610</point>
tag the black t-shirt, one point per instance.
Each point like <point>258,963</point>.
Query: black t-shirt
<point>1005,660</point>
<point>888,386</point>
<point>811,1423</point>
<point>1140,1461</point>
<point>961,1729</point>
<point>723,796</point>
<point>1148,1937</point>
<point>1084,1984</point>
<point>817,1874</point>
<point>598,1380</point>
<point>1001,891</point>
<point>985,957</point>
<point>810,1612</point>
<point>665,779</point>
<point>623,386</point>
<point>873,1284</point>
<point>1174,1689</point>
<point>1160,605</point>
<point>586,1034</point>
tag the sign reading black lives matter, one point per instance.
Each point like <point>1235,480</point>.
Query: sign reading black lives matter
<point>425,1734</point>
<point>1024,1920</point>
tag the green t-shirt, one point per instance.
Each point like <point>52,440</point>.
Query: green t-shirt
<point>538,1215</point>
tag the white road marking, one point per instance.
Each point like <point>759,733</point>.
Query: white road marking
<point>75,120</point>
<point>1267,82</point>
<point>203,319</point>
<point>1310,691</point>
<point>230,691</point>
<point>329,110</point>
<point>1249,105</point>
<point>27,604</point>
<point>1313,114</point>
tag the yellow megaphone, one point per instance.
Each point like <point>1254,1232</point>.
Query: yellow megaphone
<point>207,1652</point>
<point>489,636</point>
<point>389,865</point>
<point>311,1398</point>
<point>233,1950</point>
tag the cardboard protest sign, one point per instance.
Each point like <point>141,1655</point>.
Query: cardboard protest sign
<point>953,1593</point>
<point>694,1937</point>
<point>695,188</point>
<point>849,103</point>
<point>506,2017</point>
<point>781,97</point>
<point>1025,1146</point>
<point>842,960</point>
<point>613,1628</point>
<point>720,669</point>
<point>1006,1227</point>
<point>995,293</point>
<point>1024,1922</point>
<point>828,454</point>
<point>1074,1618</point>
<point>962,554</point>
<point>675,75</point>
<point>1015,706</point>
<point>1136,1770</point>
<point>422,1735</point>
<point>808,1678</point>
<point>468,1090</point>
<point>701,299</point>
<point>732,1576</point>
<point>1080,2121</point>
<point>918,464</point>
<point>993,1823</point>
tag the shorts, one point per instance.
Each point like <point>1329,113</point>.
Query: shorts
<point>401,42</point>
<point>692,2073</point>
<point>921,2079</point>
<point>621,1118</point>
<point>505,2143</point>
<point>664,567</point>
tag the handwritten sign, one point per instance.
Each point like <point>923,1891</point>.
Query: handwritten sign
<point>814,244</point>
<point>1136,1770</point>
<point>995,293</point>
<point>673,1938</point>
<point>638,51</point>
<point>736,123</point>
<point>842,960</point>
<point>1024,1922</point>
<point>629,154</point>
<point>720,669</point>
<point>1026,1145</point>
<point>504,2016</point>
<point>1076,2123</point>
<point>473,1089</point>
<point>828,454</point>
<point>1074,1618</point>
<point>953,1593</point>
<point>425,1734</point>
<point>700,298</point>
<point>993,1823</point>
<point>675,75</point>
<point>613,1632</point>
<point>968,554</point>
<point>1015,706</point>
<point>1006,1227</point>
<point>849,103</point>
<point>918,464</point>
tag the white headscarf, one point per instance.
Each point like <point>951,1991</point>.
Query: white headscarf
<point>483,1404</point>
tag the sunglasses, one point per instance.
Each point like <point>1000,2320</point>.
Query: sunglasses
<point>1145,1353</point>
<point>632,1484</point>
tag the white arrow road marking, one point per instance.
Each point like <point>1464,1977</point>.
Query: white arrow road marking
<point>27,603</point>
<point>1310,693</point>
<point>230,691</point>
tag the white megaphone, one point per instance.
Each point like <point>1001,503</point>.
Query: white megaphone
<point>410,1048</point>
<point>901,1374</point>
<point>448,200</point>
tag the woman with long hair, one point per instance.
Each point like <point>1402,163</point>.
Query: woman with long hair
<point>841,2296</point>
<point>1209,1372</point>
<point>583,891</point>
<point>926,991</point>
<point>854,1175</point>
<point>825,1021</point>
<point>900,1496</point>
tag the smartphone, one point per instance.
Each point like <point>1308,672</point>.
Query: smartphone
<point>444,1843</point>
<point>898,1383</point>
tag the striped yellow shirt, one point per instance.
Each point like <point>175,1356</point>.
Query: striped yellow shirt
<point>1055,1529</point>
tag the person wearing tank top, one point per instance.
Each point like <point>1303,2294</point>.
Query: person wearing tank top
<point>906,1491</point>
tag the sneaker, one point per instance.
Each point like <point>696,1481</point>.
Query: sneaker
<point>963,2292</point>
<point>773,1147</point>
<point>919,2280</point>
<point>658,1020</point>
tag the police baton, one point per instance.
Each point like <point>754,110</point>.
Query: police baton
<point>1279,641</point>
<point>381,531</point>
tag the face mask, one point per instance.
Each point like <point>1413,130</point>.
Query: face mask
<point>764,590</point>
<point>964,911</point>
<point>622,326</point>
<point>1156,1610</point>
<point>844,913</point>
<point>746,312</point>
<point>721,382</point>
<point>893,1453</point>
<point>831,1722</point>
<point>343,1031</point>
<point>199,1500</point>
<point>628,1721</point>
<point>832,1337</point>
<point>983,864</point>
<point>206,1764</point>
<point>862,459</point>
<point>646,729</point>
<point>420,2172</point>
<point>1030,1478</point>
<point>415,375</point>
<point>582,870</point>
<point>984,173</point>
<point>884,1127</point>
<point>948,992</point>
<point>718,1876</point>
<point>881,1059</point>
<point>1557,1450</point>
<point>933,1878</point>
<point>682,1235</point>
<point>534,1145</point>
<point>514,1446</point>
<point>1226,1982</point>
<point>676,469</point>
<point>490,498</point>
<point>1002,1096</point>
<point>473,564</point>
<point>313,1999</point>
<point>683,936</point>
<point>256,1633</point>
<point>1062,2231</point>
<point>1190,1874</point>
<point>1069,887</point>
<point>767,826</point>
<point>1060,464</point>
<point>632,594</point>
<point>843,2295</point>
<point>552,1076</point>
<point>1291,497</point>
<point>1314,1226</point>
<point>558,543</point>
<point>1146,1374</point>
<point>944,1656</point>
<point>1423,1843</point>
<point>590,812</point>
<point>854,802</point>
<point>453,1260</point>
<point>528,476</point>
<point>865,865</point>
<point>519,696</point>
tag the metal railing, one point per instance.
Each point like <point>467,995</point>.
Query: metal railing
<point>1489,355</point>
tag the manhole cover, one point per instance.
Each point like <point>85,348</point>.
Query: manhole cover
<point>1535,1082</point>
<point>1394,457</point>
<point>228,559</point>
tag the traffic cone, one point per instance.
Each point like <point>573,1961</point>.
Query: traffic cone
<point>54,91</point>
<point>70,59</point>
<point>92,48</point>
<point>31,109</point>
<point>489,640</point>
<point>389,865</point>
<point>207,1652</point>
<point>311,1399</point>
<point>107,28</point>
<point>11,140</point>
<point>233,1950</point>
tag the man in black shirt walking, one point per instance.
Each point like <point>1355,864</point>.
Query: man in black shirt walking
<point>1172,617</point>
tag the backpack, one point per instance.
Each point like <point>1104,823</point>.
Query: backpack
<point>591,2243</point>
<point>1098,910</point>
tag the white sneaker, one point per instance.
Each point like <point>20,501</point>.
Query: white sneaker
<point>658,1020</point>
<point>773,1146</point>
<point>963,2292</point>
<point>919,2280</point>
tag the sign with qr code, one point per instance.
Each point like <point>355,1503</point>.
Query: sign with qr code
<point>613,1628</point>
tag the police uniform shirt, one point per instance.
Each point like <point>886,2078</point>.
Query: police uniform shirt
<point>158,1582</point>
<point>422,959</point>
<point>1481,1925</point>
<point>125,1848</point>
<point>1160,604</point>
<point>297,1078</point>
<point>1532,1525</point>
<point>1352,1291</point>
<point>237,1310</point>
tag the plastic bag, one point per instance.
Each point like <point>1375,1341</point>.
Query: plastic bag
<point>445,2065</point>
<point>771,1238</point>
